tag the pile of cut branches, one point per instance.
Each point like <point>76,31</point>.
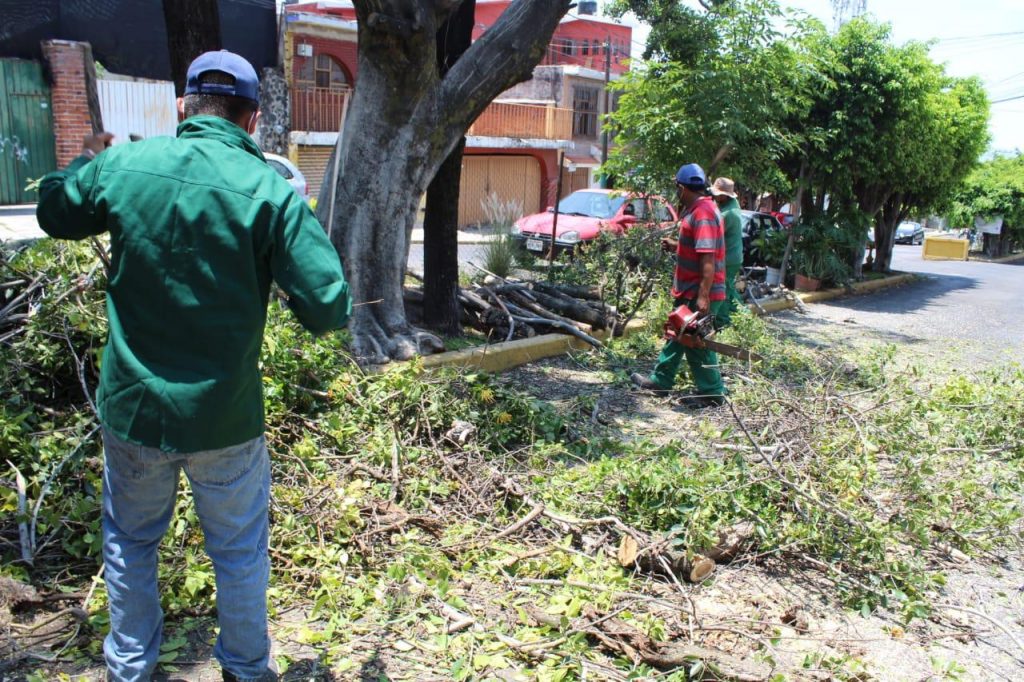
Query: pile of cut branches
<point>506,310</point>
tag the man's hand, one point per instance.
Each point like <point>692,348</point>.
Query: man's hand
<point>94,144</point>
<point>669,245</point>
<point>703,303</point>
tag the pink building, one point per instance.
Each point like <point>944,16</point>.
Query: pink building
<point>512,148</point>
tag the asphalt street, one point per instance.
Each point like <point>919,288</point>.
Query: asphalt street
<point>970,313</point>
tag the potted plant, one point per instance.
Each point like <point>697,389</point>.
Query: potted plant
<point>809,270</point>
<point>771,245</point>
<point>817,261</point>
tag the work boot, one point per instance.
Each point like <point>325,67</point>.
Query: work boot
<point>268,676</point>
<point>646,383</point>
<point>700,402</point>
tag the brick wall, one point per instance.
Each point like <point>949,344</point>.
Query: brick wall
<point>68,63</point>
<point>343,51</point>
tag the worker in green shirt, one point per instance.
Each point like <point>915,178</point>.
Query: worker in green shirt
<point>199,228</point>
<point>724,192</point>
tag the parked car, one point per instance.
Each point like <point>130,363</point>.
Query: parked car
<point>910,233</point>
<point>785,219</point>
<point>756,224</point>
<point>586,213</point>
<point>287,170</point>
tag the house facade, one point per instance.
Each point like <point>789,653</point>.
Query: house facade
<point>512,149</point>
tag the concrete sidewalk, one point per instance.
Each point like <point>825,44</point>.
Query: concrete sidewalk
<point>18,223</point>
<point>465,236</point>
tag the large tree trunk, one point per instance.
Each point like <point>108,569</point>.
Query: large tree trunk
<point>193,27</point>
<point>403,122</point>
<point>889,217</point>
<point>441,222</point>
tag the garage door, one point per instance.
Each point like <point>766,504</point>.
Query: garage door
<point>510,177</point>
<point>312,161</point>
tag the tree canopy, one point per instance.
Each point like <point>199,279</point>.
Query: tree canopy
<point>995,188</point>
<point>871,130</point>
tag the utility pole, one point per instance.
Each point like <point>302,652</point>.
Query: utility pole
<point>554,220</point>
<point>607,107</point>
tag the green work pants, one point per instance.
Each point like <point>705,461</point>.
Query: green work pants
<point>732,300</point>
<point>703,362</point>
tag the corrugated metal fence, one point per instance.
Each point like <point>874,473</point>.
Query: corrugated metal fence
<point>145,108</point>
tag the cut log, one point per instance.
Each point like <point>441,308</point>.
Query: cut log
<point>587,293</point>
<point>571,308</point>
<point>731,542</point>
<point>473,300</point>
<point>655,558</point>
<point>531,308</point>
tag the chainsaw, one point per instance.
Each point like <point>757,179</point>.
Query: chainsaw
<point>693,330</point>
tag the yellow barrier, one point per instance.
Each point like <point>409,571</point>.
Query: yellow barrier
<point>945,248</point>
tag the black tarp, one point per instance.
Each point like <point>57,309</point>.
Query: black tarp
<point>128,36</point>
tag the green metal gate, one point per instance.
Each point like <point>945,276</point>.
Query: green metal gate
<point>26,129</point>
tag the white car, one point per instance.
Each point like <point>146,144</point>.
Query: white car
<point>287,170</point>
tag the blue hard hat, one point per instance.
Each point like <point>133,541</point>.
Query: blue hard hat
<point>247,83</point>
<point>691,174</point>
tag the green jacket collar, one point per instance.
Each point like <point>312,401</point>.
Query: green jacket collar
<point>731,205</point>
<point>217,128</point>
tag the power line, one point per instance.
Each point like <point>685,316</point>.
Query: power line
<point>979,37</point>
<point>1008,99</point>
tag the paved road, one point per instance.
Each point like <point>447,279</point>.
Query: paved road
<point>968,312</point>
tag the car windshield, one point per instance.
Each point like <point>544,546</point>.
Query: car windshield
<point>591,204</point>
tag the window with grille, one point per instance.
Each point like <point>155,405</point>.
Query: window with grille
<point>322,71</point>
<point>584,106</point>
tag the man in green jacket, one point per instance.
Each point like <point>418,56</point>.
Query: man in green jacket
<point>199,228</point>
<point>724,192</point>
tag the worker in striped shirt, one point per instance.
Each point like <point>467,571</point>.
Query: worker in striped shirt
<point>699,283</point>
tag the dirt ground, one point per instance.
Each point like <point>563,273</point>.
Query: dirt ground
<point>791,610</point>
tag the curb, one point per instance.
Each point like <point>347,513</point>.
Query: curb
<point>498,357</point>
<point>857,288</point>
<point>1005,259</point>
<point>506,355</point>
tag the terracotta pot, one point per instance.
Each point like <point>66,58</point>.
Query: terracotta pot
<point>804,283</point>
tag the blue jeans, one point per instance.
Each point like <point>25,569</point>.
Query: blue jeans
<point>231,489</point>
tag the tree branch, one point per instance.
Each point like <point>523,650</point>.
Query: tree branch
<point>503,56</point>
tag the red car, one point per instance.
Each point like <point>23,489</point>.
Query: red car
<point>584,214</point>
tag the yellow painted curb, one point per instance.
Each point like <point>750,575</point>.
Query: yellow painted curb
<point>857,288</point>
<point>1004,259</point>
<point>773,306</point>
<point>501,356</point>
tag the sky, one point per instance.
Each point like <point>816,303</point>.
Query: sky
<point>974,38</point>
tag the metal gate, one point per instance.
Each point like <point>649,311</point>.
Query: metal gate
<point>510,177</point>
<point>26,129</point>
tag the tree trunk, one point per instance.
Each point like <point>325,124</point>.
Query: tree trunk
<point>889,217</point>
<point>403,122</point>
<point>193,27</point>
<point>441,222</point>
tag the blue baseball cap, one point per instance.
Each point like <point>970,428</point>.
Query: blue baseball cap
<point>691,175</point>
<point>247,83</point>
